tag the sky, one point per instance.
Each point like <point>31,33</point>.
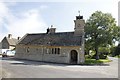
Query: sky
<point>18,17</point>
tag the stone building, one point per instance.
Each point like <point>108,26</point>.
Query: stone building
<point>8,43</point>
<point>52,46</point>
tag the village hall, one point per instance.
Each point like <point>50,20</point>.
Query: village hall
<point>52,46</point>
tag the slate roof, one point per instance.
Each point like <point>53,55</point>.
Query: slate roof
<point>55,39</point>
<point>12,41</point>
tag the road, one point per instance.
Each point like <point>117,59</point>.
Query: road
<point>32,69</point>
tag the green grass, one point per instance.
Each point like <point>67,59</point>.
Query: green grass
<point>94,61</point>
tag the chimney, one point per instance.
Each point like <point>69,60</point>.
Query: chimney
<point>18,38</point>
<point>9,36</point>
<point>52,30</point>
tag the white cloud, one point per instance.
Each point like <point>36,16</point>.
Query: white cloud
<point>27,22</point>
<point>3,13</point>
<point>43,7</point>
<point>30,21</point>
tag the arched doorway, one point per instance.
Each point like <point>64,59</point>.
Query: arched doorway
<point>73,57</point>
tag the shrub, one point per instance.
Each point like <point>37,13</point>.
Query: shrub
<point>101,56</point>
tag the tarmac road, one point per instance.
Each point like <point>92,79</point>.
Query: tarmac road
<point>32,69</point>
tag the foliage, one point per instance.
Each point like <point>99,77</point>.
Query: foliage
<point>104,49</point>
<point>93,61</point>
<point>101,56</point>
<point>88,47</point>
<point>93,56</point>
<point>101,31</point>
<point>117,50</point>
<point>112,49</point>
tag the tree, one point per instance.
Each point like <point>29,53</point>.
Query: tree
<point>117,50</point>
<point>101,30</point>
<point>88,47</point>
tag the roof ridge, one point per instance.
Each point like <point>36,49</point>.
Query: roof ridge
<point>46,33</point>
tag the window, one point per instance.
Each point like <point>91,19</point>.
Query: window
<point>50,50</point>
<point>58,50</point>
<point>27,50</point>
<point>53,50</point>
<point>47,51</point>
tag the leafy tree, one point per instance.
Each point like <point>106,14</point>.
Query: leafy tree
<point>88,47</point>
<point>104,49</point>
<point>117,50</point>
<point>101,30</point>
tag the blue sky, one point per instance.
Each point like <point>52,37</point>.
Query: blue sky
<point>21,17</point>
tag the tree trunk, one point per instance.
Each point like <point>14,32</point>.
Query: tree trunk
<point>96,46</point>
<point>97,54</point>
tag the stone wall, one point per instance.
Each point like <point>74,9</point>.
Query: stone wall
<point>5,44</point>
<point>39,53</point>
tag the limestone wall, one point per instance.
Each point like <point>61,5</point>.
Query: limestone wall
<point>40,53</point>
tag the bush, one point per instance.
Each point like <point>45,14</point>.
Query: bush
<point>101,56</point>
<point>88,56</point>
<point>94,61</point>
<point>117,50</point>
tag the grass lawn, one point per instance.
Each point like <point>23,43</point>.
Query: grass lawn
<point>94,61</point>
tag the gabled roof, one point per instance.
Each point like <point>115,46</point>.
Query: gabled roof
<point>12,41</point>
<point>55,39</point>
